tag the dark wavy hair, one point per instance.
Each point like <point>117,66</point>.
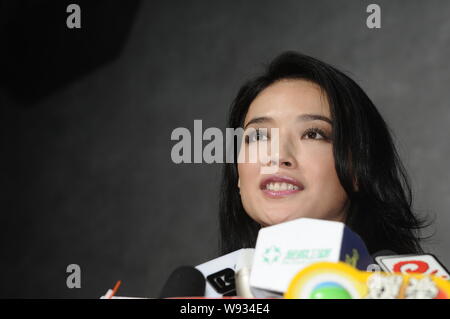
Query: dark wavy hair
<point>380,210</point>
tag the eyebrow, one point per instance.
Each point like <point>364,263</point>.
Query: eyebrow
<point>302,118</point>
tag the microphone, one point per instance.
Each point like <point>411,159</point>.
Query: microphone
<point>243,270</point>
<point>327,280</point>
<point>426,264</point>
<point>284,249</point>
<point>185,281</point>
<point>220,273</point>
<point>375,266</point>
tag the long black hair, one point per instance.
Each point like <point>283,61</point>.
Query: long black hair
<point>380,209</point>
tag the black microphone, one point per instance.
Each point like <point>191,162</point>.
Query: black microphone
<point>185,281</point>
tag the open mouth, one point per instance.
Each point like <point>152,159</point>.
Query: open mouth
<point>280,186</point>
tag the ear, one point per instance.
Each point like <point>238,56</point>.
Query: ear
<point>239,183</point>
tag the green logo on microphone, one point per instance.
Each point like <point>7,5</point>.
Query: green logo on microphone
<point>271,255</point>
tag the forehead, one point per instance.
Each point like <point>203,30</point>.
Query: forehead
<point>288,98</point>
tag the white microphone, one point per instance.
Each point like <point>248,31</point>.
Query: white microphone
<point>220,273</point>
<point>243,270</point>
<point>426,264</point>
<point>284,249</point>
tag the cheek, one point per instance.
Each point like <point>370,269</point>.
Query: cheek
<point>248,179</point>
<point>326,195</point>
<point>321,173</point>
<point>248,174</point>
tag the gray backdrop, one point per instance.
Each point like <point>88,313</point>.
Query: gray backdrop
<point>89,179</point>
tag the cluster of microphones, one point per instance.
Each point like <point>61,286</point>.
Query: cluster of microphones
<point>311,259</point>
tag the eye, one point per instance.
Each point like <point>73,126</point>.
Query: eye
<point>256,135</point>
<point>315,133</point>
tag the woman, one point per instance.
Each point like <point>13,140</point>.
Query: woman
<point>336,159</point>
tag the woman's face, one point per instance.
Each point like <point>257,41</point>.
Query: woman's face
<point>305,183</point>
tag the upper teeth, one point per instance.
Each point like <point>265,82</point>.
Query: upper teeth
<point>280,186</point>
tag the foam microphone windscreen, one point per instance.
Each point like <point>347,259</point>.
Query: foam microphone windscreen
<point>185,281</point>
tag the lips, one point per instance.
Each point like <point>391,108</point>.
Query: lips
<point>277,186</point>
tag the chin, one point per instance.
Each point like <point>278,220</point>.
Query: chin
<point>280,218</point>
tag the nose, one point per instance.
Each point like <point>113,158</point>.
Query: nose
<point>285,155</point>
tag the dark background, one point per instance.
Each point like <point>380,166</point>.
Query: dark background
<point>86,119</point>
